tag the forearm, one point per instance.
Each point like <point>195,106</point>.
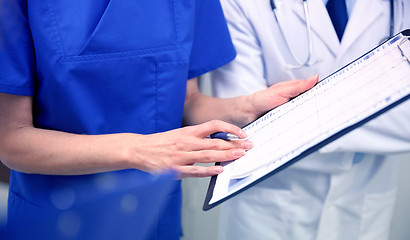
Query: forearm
<point>232,110</point>
<point>28,149</point>
<point>236,110</point>
<point>33,150</point>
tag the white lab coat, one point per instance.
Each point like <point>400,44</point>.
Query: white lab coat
<point>347,189</point>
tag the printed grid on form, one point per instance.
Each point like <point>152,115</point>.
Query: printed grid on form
<point>357,91</point>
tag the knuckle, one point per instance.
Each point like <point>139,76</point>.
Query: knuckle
<point>206,158</point>
<point>215,144</point>
<point>172,161</point>
<point>215,123</point>
<point>178,145</point>
<point>195,171</point>
<point>232,155</point>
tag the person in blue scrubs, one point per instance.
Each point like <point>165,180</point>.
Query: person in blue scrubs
<point>98,89</point>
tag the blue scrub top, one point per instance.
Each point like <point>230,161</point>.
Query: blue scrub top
<point>105,66</point>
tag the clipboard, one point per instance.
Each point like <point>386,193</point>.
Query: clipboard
<point>360,81</point>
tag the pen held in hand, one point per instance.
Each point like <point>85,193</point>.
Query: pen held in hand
<point>224,136</point>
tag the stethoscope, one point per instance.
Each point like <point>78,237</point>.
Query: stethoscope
<point>308,62</point>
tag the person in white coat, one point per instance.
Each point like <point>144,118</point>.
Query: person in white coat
<point>347,189</point>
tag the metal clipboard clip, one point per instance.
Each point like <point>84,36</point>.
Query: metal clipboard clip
<point>404,47</point>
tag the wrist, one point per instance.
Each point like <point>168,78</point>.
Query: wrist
<point>125,147</point>
<point>246,112</point>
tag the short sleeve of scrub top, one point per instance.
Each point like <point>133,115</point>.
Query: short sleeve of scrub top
<point>100,67</point>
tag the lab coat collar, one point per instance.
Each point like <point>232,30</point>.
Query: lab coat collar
<point>357,24</point>
<point>321,24</point>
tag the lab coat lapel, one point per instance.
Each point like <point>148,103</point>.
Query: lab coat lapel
<point>357,24</point>
<point>321,24</point>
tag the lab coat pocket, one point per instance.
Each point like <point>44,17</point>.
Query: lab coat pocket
<point>377,212</point>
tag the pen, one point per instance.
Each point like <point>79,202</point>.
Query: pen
<point>224,136</point>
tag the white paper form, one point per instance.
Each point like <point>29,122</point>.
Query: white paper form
<point>361,89</point>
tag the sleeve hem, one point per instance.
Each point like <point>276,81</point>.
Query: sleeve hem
<point>23,91</point>
<point>201,71</point>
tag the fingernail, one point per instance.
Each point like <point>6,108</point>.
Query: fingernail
<point>239,152</point>
<point>247,145</point>
<point>218,170</point>
<point>242,134</point>
<point>314,77</point>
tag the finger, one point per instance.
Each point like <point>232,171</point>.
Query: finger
<point>198,144</point>
<point>212,156</point>
<point>295,87</point>
<point>213,126</point>
<point>310,81</point>
<point>219,144</point>
<point>199,171</point>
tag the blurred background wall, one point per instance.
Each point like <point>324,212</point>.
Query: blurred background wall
<point>4,181</point>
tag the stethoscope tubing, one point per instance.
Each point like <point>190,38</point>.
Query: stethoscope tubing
<point>307,62</point>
